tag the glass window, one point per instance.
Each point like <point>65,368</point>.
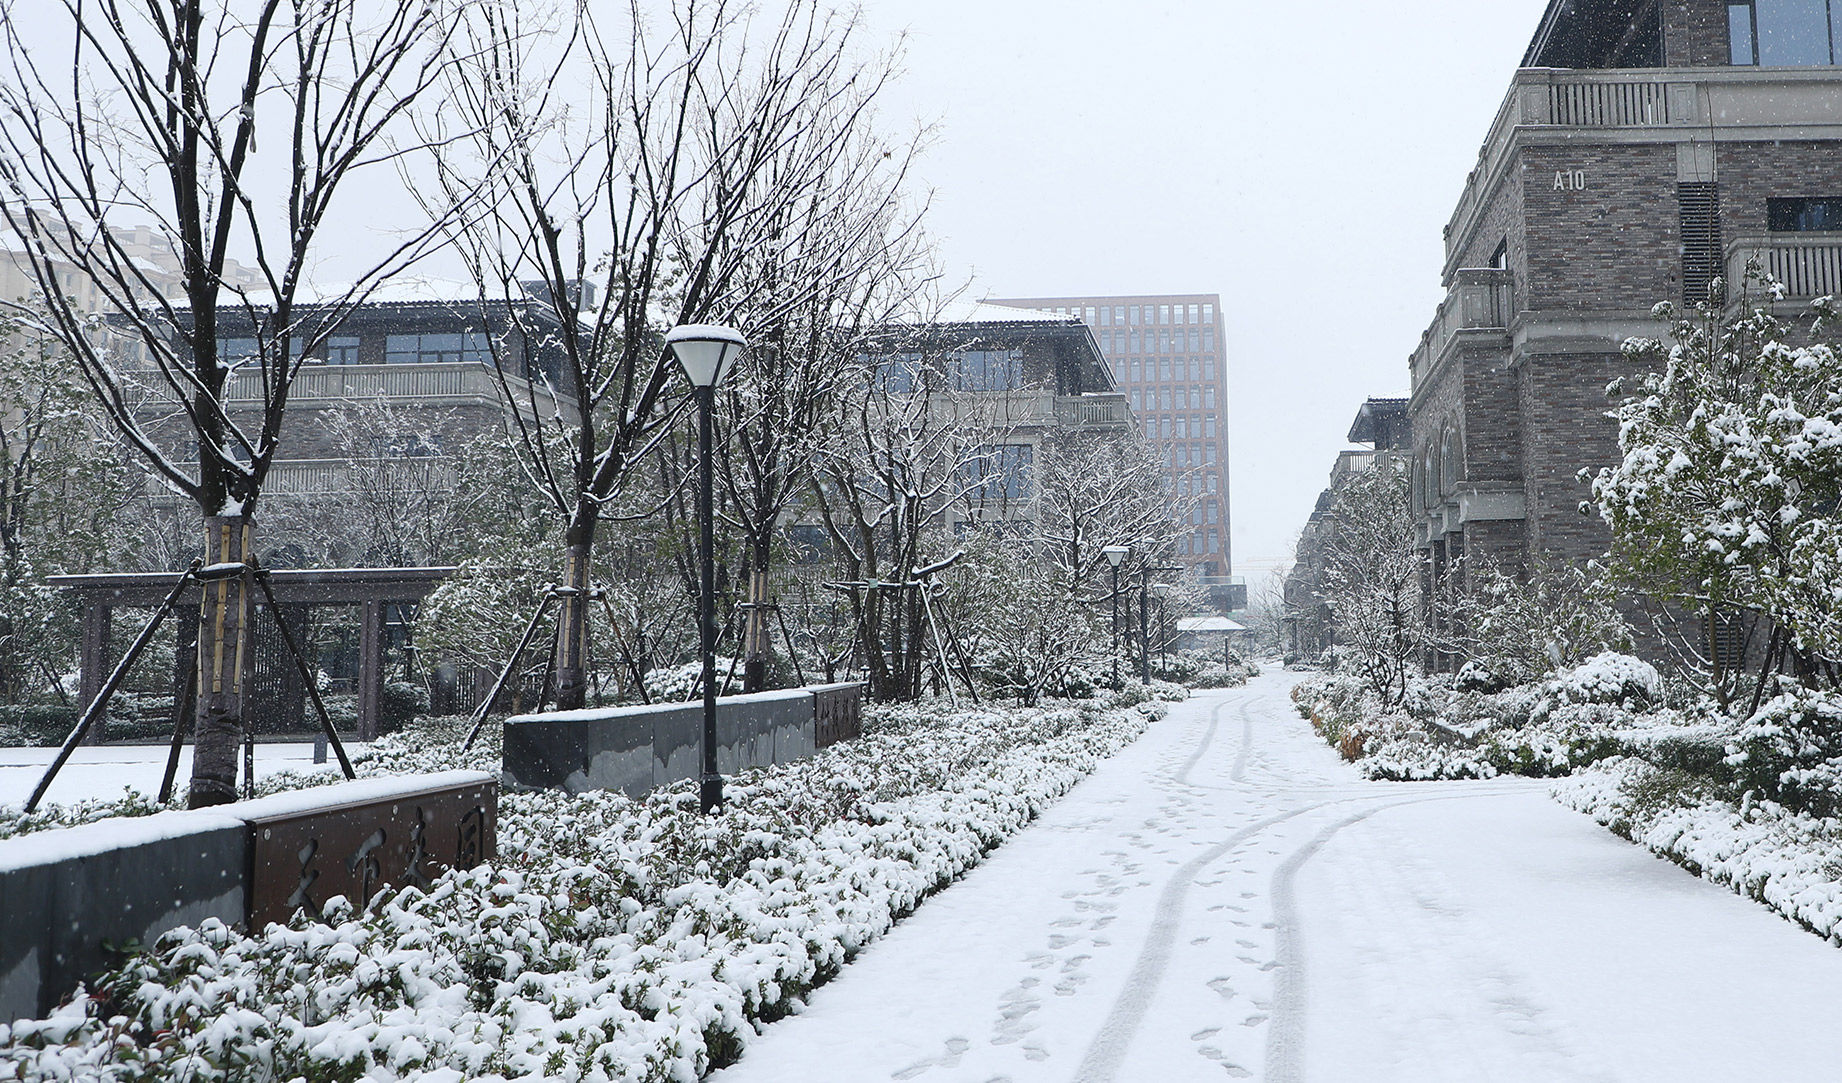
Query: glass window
<point>1119,313</point>
<point>1164,368</point>
<point>1000,472</point>
<point>897,374</point>
<point>1195,365</point>
<point>1803,214</point>
<point>1091,318</point>
<point>1214,513</point>
<point>342,350</point>
<point>470,347</point>
<point>233,351</point>
<point>1792,33</point>
<point>1183,428</point>
<point>1137,401</point>
<point>1213,483</point>
<point>1138,370</point>
<point>1165,398</point>
<point>1135,348</point>
<point>1208,398</point>
<point>1133,311</point>
<point>1193,310</point>
<point>1164,314</point>
<point>1739,35</point>
<point>989,370</point>
<point>1106,317</point>
<point>1164,427</point>
<point>1195,339</point>
<point>1215,542</point>
<point>1208,425</point>
<point>1208,313</point>
<point>1208,368</point>
<point>1208,454</point>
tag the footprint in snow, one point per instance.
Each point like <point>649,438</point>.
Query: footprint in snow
<point>955,1048</point>
<point>1222,988</point>
<point>1205,1035</point>
<point>1253,1020</point>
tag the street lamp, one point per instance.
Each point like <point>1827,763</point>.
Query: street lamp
<point>706,352</point>
<point>1115,554</point>
<point>1162,590</point>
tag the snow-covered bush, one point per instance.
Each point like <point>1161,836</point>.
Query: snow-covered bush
<point>1791,752</point>
<point>612,939</point>
<point>1611,678</point>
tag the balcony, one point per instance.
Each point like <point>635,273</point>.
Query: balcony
<point>1480,299</point>
<point>1809,265</point>
<point>1037,409</point>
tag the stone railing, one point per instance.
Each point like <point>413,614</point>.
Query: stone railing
<point>1100,410</point>
<point>1809,265</point>
<point>1481,298</point>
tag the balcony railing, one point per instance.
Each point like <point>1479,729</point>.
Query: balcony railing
<point>1809,265</point>
<point>1092,411</point>
<point>1481,298</point>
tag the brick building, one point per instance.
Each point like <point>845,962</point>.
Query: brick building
<point>1166,353</point>
<point>1645,148</point>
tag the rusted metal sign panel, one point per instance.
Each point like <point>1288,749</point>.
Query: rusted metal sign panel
<point>300,859</point>
<point>837,711</point>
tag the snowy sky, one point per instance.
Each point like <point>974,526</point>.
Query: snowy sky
<point>1301,165</point>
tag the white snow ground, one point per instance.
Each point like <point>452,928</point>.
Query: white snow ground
<point>104,771</point>
<point>1226,899</point>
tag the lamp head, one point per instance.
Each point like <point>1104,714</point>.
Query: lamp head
<point>1115,554</point>
<point>1162,590</point>
<point>706,351</point>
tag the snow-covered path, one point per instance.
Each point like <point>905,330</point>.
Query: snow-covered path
<point>1226,899</point>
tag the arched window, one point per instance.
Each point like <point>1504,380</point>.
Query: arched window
<point>1448,460</point>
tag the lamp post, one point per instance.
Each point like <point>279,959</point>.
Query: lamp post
<point>706,352</point>
<point>1114,555</point>
<point>1144,625</point>
<point>1162,590</point>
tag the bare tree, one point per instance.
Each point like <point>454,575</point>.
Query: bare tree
<point>148,113</point>
<point>1101,489</point>
<point>915,445</point>
<point>641,202</point>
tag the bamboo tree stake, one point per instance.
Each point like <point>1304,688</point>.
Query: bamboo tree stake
<point>480,712</point>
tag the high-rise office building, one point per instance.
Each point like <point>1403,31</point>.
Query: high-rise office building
<point>1167,355</point>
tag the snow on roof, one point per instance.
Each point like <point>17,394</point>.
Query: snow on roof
<point>1209,624</point>
<point>980,312</point>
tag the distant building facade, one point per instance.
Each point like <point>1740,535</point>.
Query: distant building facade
<point>1644,150</point>
<point>1309,628</point>
<point>1025,373</point>
<point>1167,355</point>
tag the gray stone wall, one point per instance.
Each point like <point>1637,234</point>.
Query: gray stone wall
<point>1565,430</point>
<point>1613,245</point>
<point>1752,172</point>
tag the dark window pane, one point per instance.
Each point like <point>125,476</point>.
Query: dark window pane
<point>1803,215</point>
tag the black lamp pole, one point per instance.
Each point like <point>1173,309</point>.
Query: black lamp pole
<point>1144,627</point>
<point>706,352</point>
<point>1115,625</point>
<point>711,787</point>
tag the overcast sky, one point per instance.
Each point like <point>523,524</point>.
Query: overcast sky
<point>1300,160</point>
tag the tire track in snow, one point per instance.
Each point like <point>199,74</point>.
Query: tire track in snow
<point>1108,1050</point>
<point>1182,777</point>
<point>1285,1036</point>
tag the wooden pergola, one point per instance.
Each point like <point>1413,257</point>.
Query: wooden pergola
<point>371,589</point>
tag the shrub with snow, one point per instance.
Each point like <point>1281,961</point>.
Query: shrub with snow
<point>1612,678</point>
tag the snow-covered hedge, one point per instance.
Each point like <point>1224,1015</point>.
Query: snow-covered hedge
<point>1443,729</point>
<point>1786,859</point>
<point>613,940</point>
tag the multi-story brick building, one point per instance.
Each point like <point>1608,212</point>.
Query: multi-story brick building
<point>1167,354</point>
<point>1644,149</point>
